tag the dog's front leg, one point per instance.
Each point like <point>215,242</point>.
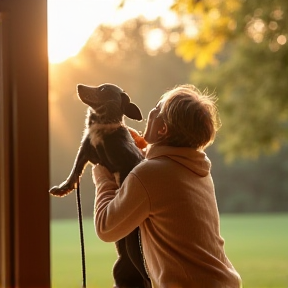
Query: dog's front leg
<point>86,153</point>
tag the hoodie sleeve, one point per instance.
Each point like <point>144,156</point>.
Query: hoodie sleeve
<point>118,211</point>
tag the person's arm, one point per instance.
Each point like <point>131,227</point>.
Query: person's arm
<point>118,211</point>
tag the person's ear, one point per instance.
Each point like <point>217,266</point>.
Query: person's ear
<point>163,131</point>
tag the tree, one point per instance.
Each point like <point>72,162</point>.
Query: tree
<point>242,48</point>
<point>145,77</point>
<point>112,54</point>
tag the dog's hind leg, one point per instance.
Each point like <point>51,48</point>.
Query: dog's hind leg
<point>86,153</point>
<point>134,250</point>
<point>125,273</point>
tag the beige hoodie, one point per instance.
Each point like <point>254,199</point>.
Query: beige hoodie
<point>171,197</point>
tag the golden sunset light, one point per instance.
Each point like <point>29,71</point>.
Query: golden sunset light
<point>71,22</point>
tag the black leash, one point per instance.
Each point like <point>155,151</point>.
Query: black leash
<point>79,209</point>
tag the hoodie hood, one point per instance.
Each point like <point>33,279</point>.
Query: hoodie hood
<point>194,160</point>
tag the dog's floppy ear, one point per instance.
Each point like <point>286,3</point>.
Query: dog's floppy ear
<point>130,109</point>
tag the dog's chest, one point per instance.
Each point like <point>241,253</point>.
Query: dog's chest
<point>98,131</point>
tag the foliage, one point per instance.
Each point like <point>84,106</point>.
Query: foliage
<point>251,78</point>
<point>212,23</point>
<point>242,186</point>
<point>246,186</point>
<point>216,22</point>
<point>143,76</point>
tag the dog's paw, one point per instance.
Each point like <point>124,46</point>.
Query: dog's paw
<point>61,190</point>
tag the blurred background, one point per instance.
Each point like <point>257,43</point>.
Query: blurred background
<point>236,49</point>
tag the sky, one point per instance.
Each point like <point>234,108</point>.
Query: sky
<point>71,22</point>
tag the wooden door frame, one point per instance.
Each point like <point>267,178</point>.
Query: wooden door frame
<point>24,145</point>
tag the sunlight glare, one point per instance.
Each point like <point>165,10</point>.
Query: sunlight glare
<point>154,39</point>
<point>71,22</point>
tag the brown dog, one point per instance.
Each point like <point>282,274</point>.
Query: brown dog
<point>107,141</point>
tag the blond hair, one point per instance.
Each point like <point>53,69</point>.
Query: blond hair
<point>191,117</point>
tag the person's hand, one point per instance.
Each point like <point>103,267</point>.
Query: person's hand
<point>100,172</point>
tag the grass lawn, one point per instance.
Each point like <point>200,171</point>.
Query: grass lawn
<point>257,245</point>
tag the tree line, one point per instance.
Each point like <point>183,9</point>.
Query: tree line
<point>242,184</point>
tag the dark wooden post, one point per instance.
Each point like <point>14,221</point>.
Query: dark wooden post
<point>24,158</point>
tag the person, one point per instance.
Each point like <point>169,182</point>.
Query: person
<point>171,197</point>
